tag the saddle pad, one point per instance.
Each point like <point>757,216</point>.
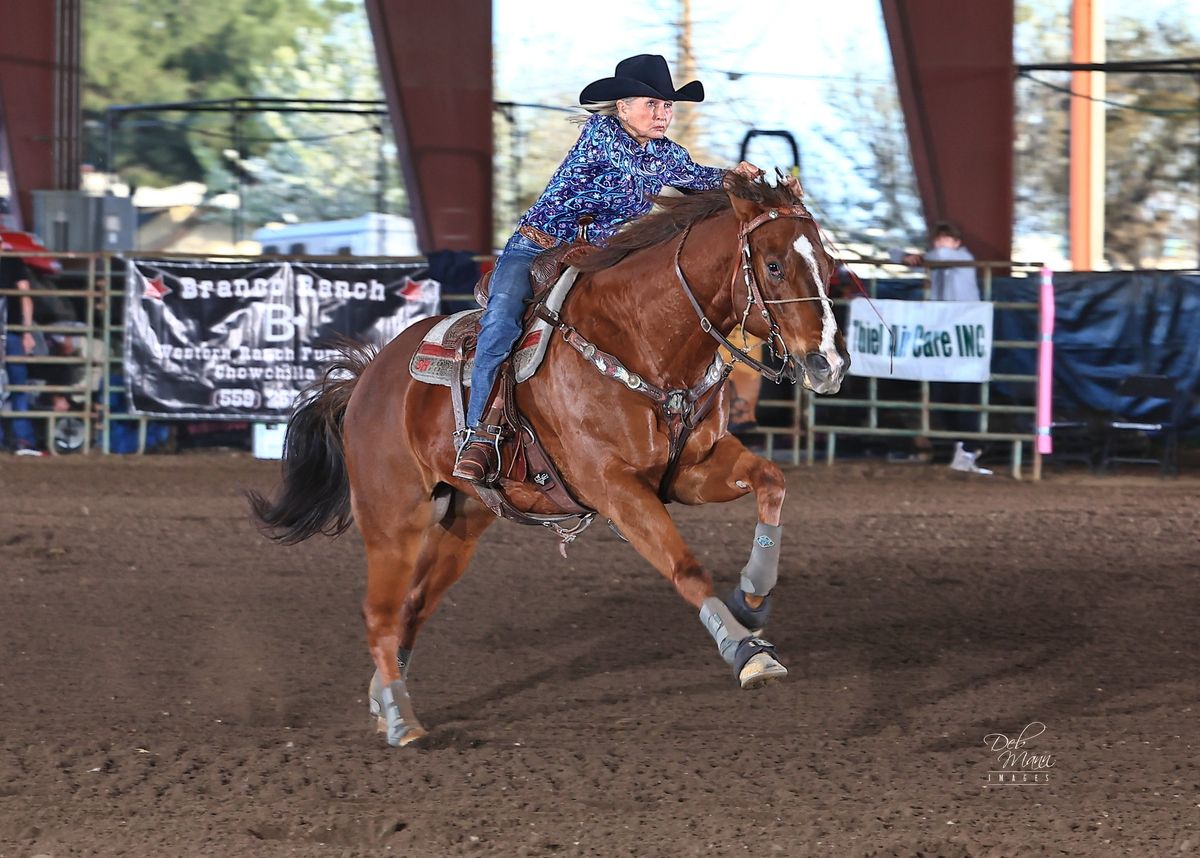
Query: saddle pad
<point>433,361</point>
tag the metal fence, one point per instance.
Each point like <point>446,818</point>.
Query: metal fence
<point>794,422</point>
<point>80,415</point>
<point>908,411</point>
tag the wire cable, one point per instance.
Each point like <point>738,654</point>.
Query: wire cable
<point>227,135</point>
<point>1158,111</point>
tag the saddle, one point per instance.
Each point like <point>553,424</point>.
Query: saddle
<point>548,266</point>
<point>446,357</point>
<point>551,277</point>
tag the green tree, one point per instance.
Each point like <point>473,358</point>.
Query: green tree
<point>883,208</point>
<point>319,166</point>
<point>1151,145</point>
<point>1153,150</point>
<point>141,51</point>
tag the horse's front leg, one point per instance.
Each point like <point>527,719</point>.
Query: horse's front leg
<point>727,473</point>
<point>644,521</point>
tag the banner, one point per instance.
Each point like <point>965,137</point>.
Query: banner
<point>921,340</point>
<point>239,341</point>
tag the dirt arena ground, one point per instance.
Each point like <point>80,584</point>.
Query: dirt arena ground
<point>175,685</point>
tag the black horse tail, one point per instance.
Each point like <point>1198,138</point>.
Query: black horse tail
<point>315,494</point>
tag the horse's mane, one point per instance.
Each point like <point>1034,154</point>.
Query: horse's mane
<point>673,214</point>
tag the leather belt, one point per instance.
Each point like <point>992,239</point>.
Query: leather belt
<point>542,239</point>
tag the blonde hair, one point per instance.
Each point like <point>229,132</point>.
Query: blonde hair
<point>604,108</point>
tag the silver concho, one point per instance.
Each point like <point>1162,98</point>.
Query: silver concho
<point>589,351</point>
<point>633,382</point>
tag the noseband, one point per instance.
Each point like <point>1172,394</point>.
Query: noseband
<point>753,296</point>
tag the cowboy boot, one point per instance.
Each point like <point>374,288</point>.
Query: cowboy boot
<point>478,459</point>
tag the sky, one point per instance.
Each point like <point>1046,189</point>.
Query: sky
<point>792,64</point>
<point>772,64</point>
<point>786,56</point>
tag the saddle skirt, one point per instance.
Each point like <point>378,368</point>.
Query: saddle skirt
<point>434,360</point>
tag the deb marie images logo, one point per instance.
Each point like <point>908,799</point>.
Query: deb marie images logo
<point>1017,761</point>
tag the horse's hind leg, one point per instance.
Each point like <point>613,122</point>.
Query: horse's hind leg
<point>400,605</point>
<point>729,472</point>
<point>445,552</point>
<point>390,571</point>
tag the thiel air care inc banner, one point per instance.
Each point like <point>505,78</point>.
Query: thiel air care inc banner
<point>930,340</point>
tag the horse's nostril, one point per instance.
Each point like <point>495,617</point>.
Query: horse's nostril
<point>817,365</point>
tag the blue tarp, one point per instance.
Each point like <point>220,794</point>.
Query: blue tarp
<point>1107,325</point>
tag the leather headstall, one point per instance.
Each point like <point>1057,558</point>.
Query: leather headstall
<point>753,293</point>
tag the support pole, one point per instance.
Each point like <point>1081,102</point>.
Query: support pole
<point>1045,382</point>
<point>1087,137</point>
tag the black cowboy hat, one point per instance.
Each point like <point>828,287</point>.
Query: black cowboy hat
<point>643,75</point>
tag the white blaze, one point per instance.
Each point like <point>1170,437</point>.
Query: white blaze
<point>828,323</point>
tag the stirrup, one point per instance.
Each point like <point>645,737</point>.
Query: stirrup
<point>478,458</point>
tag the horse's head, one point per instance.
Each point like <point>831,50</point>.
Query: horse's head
<point>787,276</point>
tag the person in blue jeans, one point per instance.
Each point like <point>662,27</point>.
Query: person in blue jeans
<point>621,160</point>
<point>14,275</point>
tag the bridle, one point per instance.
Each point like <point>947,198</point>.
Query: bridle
<point>753,296</point>
<point>682,409</point>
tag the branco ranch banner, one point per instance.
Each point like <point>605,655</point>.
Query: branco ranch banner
<point>930,340</point>
<point>239,341</point>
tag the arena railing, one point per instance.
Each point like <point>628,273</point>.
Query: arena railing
<point>94,282</point>
<point>82,393</point>
<point>876,412</point>
<point>97,286</point>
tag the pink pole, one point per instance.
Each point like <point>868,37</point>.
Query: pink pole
<point>1045,442</point>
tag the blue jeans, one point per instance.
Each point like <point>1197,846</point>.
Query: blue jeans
<point>18,373</point>
<point>501,322</point>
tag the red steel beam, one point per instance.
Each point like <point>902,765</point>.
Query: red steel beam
<point>954,72</point>
<point>435,62</point>
<point>27,67</point>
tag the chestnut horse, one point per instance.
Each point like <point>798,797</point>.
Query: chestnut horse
<point>369,444</point>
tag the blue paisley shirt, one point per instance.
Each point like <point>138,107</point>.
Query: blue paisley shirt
<point>609,176</point>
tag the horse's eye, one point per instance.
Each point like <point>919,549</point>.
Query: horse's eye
<point>773,268</point>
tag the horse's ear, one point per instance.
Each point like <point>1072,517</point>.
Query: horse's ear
<point>793,184</point>
<point>745,210</point>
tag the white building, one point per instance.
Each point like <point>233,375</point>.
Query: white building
<point>372,234</point>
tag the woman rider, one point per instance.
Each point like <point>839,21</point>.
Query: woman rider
<point>622,159</point>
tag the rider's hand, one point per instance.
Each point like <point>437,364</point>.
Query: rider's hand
<point>28,342</point>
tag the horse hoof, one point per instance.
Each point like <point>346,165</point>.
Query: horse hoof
<point>395,716</point>
<point>755,664</point>
<point>760,670</point>
<point>409,735</point>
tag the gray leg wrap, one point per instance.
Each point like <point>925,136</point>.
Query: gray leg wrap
<point>402,723</point>
<point>762,570</point>
<point>725,630</point>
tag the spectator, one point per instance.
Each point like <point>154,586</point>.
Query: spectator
<point>14,275</point>
<point>954,283</point>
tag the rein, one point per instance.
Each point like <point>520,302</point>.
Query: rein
<point>753,296</point>
<point>682,409</point>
